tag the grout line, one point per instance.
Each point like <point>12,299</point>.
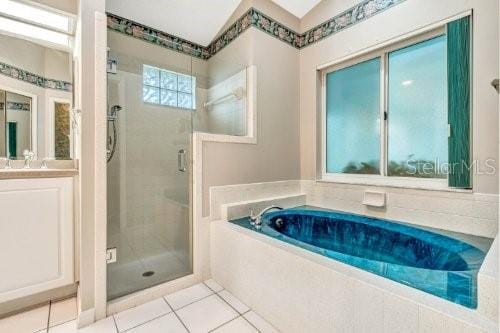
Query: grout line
<point>175,313</point>
<point>227,322</point>
<point>232,307</point>
<point>213,289</point>
<point>114,321</point>
<point>248,321</point>
<point>182,307</point>
<point>148,321</point>
<point>48,316</point>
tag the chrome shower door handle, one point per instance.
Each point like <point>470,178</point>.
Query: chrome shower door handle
<point>181,160</point>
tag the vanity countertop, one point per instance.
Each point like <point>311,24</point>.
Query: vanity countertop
<point>36,173</point>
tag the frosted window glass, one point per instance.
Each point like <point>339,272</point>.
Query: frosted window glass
<point>185,101</point>
<point>417,110</point>
<point>168,80</point>
<point>353,119</point>
<point>150,94</point>
<point>168,97</point>
<point>168,88</point>
<point>151,76</point>
<point>185,84</point>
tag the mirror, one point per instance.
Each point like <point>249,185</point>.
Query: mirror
<point>15,124</point>
<point>35,98</point>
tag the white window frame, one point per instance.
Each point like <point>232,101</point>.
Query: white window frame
<point>193,88</point>
<point>381,179</point>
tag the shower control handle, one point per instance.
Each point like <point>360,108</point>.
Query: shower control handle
<point>181,160</point>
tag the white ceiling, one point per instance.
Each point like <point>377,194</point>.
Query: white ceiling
<point>298,8</point>
<point>198,21</point>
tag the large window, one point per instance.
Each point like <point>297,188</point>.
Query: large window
<point>353,119</point>
<point>168,88</point>
<point>403,111</point>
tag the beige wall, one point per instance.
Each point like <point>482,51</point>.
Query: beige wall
<point>69,6</point>
<point>401,19</point>
<point>276,154</point>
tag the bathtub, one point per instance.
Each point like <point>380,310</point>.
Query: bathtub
<point>429,261</point>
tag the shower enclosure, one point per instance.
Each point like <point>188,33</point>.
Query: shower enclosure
<point>151,97</point>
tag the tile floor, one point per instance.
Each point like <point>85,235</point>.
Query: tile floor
<point>205,307</point>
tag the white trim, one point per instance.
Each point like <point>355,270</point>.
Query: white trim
<point>399,182</point>
<point>33,116</point>
<point>396,40</point>
<point>150,294</point>
<point>50,133</point>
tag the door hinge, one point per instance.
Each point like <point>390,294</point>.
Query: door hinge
<point>111,255</point>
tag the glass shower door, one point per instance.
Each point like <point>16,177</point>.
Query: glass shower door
<point>148,175</point>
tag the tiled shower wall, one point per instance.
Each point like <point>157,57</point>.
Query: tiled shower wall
<point>229,116</point>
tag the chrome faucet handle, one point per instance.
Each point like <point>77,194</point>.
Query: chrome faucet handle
<point>253,218</point>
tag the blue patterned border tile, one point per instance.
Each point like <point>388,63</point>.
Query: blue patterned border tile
<point>163,39</point>
<point>353,15</point>
<point>37,80</point>
<point>257,19</point>
<point>17,106</point>
<point>252,18</point>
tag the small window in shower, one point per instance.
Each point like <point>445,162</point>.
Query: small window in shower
<point>167,88</point>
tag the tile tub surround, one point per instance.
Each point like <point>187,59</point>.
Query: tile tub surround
<point>205,307</point>
<point>275,278</point>
<point>463,212</point>
<point>428,261</point>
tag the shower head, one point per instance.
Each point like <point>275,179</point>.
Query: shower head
<point>116,108</point>
<point>112,115</point>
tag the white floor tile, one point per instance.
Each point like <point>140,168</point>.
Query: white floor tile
<point>168,323</point>
<point>189,295</point>
<point>213,285</point>
<point>68,327</point>
<point>63,311</point>
<point>102,326</point>
<point>206,315</point>
<point>234,302</point>
<point>141,314</point>
<point>257,321</point>
<point>239,325</point>
<point>26,322</point>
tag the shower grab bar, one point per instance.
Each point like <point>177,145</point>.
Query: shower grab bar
<point>237,93</point>
<point>181,160</point>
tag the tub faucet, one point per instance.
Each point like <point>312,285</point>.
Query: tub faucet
<point>256,220</point>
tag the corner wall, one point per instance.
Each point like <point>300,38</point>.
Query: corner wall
<point>276,155</point>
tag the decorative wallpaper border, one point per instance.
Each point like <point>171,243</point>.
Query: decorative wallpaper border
<point>257,19</point>
<point>14,106</point>
<point>348,18</point>
<point>157,37</point>
<point>35,79</point>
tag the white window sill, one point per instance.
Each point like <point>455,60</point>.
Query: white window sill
<point>397,182</point>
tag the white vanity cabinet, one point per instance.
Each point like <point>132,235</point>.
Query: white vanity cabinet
<point>36,236</point>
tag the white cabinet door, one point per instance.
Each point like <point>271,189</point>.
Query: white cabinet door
<point>36,236</point>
